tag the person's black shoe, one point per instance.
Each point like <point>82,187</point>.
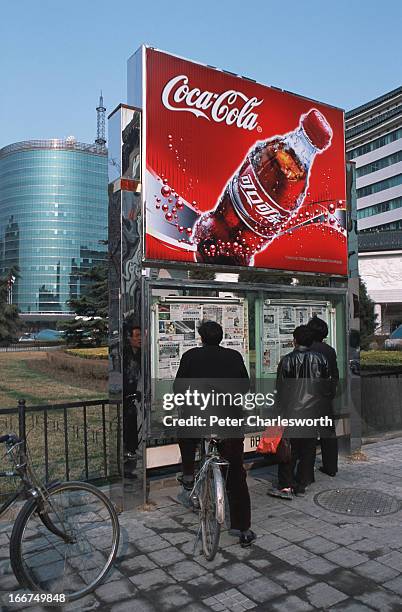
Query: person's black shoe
<point>188,485</point>
<point>299,490</point>
<point>247,538</point>
<point>332,474</point>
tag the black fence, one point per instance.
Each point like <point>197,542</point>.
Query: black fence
<point>381,401</point>
<point>19,348</point>
<point>78,440</point>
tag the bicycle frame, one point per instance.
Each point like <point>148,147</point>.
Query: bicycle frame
<point>18,472</point>
<point>28,487</point>
<point>211,457</point>
<point>13,497</point>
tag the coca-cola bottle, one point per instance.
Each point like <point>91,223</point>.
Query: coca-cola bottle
<point>258,200</point>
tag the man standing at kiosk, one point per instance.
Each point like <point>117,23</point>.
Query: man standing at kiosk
<point>302,383</point>
<point>328,439</point>
<point>212,361</point>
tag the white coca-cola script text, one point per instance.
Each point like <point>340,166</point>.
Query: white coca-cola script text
<point>222,107</point>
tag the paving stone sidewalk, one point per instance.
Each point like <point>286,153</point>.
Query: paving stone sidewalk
<point>305,557</point>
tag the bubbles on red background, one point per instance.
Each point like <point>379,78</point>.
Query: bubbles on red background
<point>166,191</point>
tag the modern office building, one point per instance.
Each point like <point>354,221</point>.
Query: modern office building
<point>53,221</point>
<point>374,143</point>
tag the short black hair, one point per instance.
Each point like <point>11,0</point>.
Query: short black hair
<point>319,328</point>
<point>211,333</point>
<point>303,336</point>
<point>130,324</point>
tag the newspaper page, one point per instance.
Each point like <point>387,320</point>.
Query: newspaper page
<point>271,322</point>
<point>236,344</point>
<point>169,358</point>
<point>233,321</point>
<point>213,312</point>
<point>287,320</point>
<point>280,320</point>
<point>302,315</point>
<point>177,331</point>
<point>319,311</point>
<point>286,346</point>
<point>270,357</point>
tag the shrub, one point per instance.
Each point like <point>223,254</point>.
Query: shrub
<point>370,360</point>
<point>89,353</point>
<point>87,368</point>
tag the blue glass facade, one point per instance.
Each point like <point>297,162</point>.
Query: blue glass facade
<point>53,219</point>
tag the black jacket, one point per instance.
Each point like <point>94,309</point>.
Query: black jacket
<point>330,354</point>
<point>213,362</point>
<point>303,384</point>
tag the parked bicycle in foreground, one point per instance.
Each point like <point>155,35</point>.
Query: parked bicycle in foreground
<point>208,497</point>
<point>65,537</point>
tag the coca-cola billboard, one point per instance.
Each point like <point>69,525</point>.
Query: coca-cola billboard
<point>240,174</point>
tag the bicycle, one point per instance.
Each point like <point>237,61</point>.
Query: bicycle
<point>208,496</point>
<point>65,537</point>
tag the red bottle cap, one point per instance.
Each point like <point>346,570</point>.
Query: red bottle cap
<point>317,128</point>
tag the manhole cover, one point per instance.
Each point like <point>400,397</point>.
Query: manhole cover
<point>357,502</point>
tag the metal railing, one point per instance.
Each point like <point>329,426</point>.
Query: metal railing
<point>18,348</point>
<point>381,406</point>
<point>77,440</point>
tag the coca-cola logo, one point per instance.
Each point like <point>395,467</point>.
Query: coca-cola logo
<point>231,107</point>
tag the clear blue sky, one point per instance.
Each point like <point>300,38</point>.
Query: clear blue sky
<point>55,56</point>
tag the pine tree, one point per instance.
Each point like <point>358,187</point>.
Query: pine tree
<point>9,318</point>
<point>367,316</point>
<point>89,326</point>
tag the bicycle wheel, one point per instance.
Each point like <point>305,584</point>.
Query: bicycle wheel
<point>210,502</point>
<point>67,544</point>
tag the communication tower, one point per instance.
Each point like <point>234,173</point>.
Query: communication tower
<point>100,123</point>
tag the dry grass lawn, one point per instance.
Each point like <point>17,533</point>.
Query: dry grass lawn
<point>28,375</point>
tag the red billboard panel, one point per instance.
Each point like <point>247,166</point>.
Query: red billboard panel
<point>240,174</point>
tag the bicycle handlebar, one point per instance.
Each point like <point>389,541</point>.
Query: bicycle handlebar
<point>9,439</point>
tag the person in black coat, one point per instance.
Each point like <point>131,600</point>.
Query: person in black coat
<point>131,395</point>
<point>303,387</point>
<point>328,439</point>
<point>221,366</point>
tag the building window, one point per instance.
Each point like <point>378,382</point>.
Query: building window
<point>379,164</point>
<point>393,181</point>
<point>385,227</point>
<point>375,144</point>
<point>379,208</point>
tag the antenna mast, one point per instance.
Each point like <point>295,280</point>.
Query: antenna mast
<point>100,123</point>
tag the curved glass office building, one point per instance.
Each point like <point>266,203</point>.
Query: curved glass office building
<point>53,220</point>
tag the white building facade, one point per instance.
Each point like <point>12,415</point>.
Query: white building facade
<point>374,143</point>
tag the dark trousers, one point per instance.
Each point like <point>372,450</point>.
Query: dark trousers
<point>301,467</point>
<point>236,484</point>
<point>130,428</point>
<point>329,449</point>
